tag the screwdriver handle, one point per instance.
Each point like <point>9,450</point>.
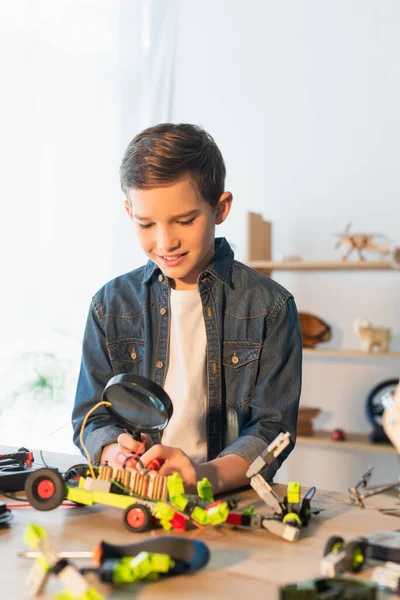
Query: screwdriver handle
<point>190,554</point>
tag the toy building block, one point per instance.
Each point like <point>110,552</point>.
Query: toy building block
<point>324,588</point>
<point>291,513</point>
<point>340,556</point>
<point>268,456</point>
<point>266,493</point>
<point>283,530</point>
<point>387,576</point>
<point>48,562</point>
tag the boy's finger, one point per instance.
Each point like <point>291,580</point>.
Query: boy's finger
<point>127,442</point>
<point>158,451</point>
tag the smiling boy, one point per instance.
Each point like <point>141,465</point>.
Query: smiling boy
<point>223,340</point>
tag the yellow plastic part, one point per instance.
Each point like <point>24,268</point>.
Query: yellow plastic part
<point>200,516</point>
<point>204,490</point>
<point>164,511</point>
<point>180,502</point>
<point>109,499</point>
<point>34,534</point>
<point>291,517</point>
<point>293,492</point>
<point>175,485</point>
<point>218,514</point>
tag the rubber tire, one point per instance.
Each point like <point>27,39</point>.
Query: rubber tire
<point>32,483</point>
<point>80,469</point>
<point>373,414</point>
<point>332,541</point>
<point>147,518</point>
<point>350,548</point>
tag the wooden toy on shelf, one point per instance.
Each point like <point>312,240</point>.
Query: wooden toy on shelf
<point>305,420</point>
<point>313,329</point>
<point>362,241</point>
<point>372,337</point>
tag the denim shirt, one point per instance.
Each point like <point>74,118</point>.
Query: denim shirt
<point>254,354</point>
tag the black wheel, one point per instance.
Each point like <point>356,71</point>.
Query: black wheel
<point>305,511</point>
<point>355,555</point>
<point>334,544</point>
<point>45,489</point>
<point>375,402</point>
<point>75,472</point>
<point>137,518</point>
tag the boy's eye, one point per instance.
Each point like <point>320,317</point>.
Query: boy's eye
<point>189,222</point>
<point>145,225</point>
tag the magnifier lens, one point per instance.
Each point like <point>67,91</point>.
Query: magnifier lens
<point>138,407</point>
<point>137,403</point>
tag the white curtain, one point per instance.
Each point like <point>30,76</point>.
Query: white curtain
<point>79,79</point>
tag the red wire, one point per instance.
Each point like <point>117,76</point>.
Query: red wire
<point>25,504</point>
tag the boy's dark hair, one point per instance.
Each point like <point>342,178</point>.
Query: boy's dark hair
<point>167,152</point>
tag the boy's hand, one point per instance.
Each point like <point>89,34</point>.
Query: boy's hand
<point>175,461</point>
<point>116,454</point>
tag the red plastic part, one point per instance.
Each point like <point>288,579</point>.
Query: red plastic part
<point>45,489</point>
<point>234,519</point>
<point>135,518</point>
<point>178,522</point>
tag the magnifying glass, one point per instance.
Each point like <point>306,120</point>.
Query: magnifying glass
<point>138,404</point>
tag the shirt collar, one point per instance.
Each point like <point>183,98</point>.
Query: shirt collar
<point>220,265</point>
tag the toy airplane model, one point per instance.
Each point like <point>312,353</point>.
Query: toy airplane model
<point>362,241</point>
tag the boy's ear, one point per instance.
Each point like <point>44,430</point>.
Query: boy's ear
<point>223,207</point>
<point>128,209</point>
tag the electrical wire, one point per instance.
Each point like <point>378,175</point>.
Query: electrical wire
<point>90,465</point>
<point>310,493</point>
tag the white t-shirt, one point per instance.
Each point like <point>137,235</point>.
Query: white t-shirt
<point>186,379</point>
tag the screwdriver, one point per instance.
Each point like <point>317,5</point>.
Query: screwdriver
<point>193,553</point>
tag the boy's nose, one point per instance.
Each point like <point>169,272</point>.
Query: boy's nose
<point>166,241</point>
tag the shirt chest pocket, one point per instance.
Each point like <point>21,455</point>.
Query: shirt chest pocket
<point>240,368</point>
<point>127,357</point>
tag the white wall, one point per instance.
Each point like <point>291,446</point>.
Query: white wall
<point>303,99</point>
<point>80,79</point>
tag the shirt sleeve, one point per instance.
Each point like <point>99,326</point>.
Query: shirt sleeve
<point>96,370</point>
<point>275,403</point>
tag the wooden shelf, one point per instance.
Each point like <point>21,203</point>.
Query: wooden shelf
<point>354,441</point>
<point>351,353</point>
<point>312,265</point>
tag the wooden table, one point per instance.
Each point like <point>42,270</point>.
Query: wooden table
<point>244,564</point>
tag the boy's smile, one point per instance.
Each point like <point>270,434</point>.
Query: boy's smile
<point>175,226</point>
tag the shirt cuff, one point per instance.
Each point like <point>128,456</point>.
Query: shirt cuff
<point>97,439</point>
<point>249,447</point>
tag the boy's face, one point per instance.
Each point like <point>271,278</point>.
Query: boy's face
<point>176,228</point>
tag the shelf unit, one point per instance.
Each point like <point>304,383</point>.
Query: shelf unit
<point>313,265</point>
<point>354,441</point>
<point>259,258</point>
<point>350,354</point>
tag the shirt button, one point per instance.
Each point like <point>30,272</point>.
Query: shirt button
<point>160,278</point>
<point>159,364</point>
<point>235,359</point>
<point>163,311</point>
<point>133,354</point>
<point>209,312</point>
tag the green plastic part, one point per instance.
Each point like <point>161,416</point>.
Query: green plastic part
<point>175,485</point>
<point>200,516</point>
<point>180,502</point>
<point>34,535</point>
<point>248,511</point>
<point>218,514</point>
<point>204,490</point>
<point>164,511</point>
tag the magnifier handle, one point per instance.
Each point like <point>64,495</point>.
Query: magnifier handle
<point>135,434</point>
